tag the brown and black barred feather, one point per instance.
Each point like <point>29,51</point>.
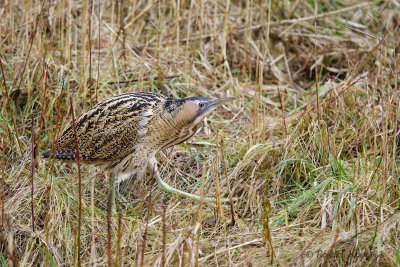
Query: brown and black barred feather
<point>109,130</point>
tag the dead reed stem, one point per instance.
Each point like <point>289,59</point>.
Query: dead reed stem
<point>144,236</point>
<point>316,69</point>
<point>9,107</point>
<point>164,231</point>
<point>32,37</point>
<point>216,181</point>
<point>78,156</point>
<point>89,33</point>
<point>119,254</point>
<point>41,118</point>
<point>33,148</point>
<point>111,183</point>
<point>3,166</point>
<point>145,79</point>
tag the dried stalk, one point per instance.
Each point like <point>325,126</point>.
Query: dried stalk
<point>79,182</point>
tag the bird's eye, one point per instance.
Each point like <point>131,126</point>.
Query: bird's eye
<point>201,104</point>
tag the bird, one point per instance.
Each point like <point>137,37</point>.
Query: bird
<point>123,134</point>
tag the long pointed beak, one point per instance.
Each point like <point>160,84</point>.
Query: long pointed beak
<point>214,103</point>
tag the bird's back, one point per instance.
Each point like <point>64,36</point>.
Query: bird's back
<point>109,130</point>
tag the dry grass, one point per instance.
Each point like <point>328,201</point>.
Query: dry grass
<point>310,146</point>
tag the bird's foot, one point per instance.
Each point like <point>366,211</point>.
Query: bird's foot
<point>168,189</point>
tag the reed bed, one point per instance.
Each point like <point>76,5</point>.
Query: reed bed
<point>309,148</point>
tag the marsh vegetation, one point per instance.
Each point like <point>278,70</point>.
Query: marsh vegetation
<point>309,148</point>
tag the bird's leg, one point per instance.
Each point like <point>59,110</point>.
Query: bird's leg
<point>168,189</point>
<point>111,196</point>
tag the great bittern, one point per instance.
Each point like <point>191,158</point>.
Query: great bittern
<point>124,133</point>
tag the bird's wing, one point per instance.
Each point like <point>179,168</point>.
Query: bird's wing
<point>108,131</point>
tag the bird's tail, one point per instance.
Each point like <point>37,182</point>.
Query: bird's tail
<point>47,154</point>
<point>60,154</point>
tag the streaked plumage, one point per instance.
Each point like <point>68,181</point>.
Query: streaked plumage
<point>124,133</point>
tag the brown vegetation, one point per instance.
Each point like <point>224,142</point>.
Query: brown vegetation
<point>310,146</point>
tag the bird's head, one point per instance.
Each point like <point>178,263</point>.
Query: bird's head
<point>192,110</point>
